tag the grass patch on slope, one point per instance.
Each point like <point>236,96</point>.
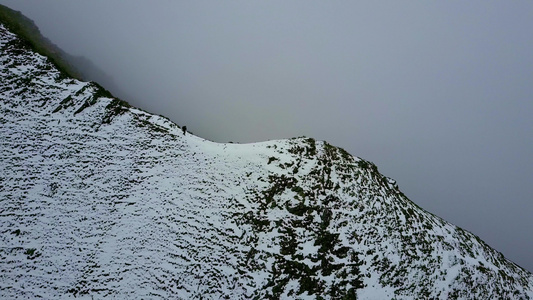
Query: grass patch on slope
<point>30,35</point>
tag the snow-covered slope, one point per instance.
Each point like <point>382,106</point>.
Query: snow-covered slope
<point>100,199</point>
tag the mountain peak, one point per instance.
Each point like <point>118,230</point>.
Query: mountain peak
<point>102,199</point>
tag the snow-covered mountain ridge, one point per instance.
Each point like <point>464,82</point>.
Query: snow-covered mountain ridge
<point>100,199</point>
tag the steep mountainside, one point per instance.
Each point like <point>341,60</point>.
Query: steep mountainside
<point>98,199</point>
<point>78,67</point>
<point>19,24</point>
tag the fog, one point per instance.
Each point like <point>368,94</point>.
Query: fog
<point>438,94</point>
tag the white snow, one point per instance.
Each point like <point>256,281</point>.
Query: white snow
<point>134,208</point>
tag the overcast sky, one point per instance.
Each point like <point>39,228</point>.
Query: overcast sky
<point>439,94</point>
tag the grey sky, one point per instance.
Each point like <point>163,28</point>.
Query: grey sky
<point>438,94</point>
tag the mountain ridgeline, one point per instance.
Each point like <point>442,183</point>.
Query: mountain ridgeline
<point>101,199</point>
<point>77,67</point>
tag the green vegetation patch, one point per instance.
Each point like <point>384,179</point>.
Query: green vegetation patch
<point>30,37</point>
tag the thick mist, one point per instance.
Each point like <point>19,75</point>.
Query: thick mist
<point>438,94</point>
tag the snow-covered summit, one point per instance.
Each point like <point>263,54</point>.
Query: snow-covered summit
<point>100,199</point>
